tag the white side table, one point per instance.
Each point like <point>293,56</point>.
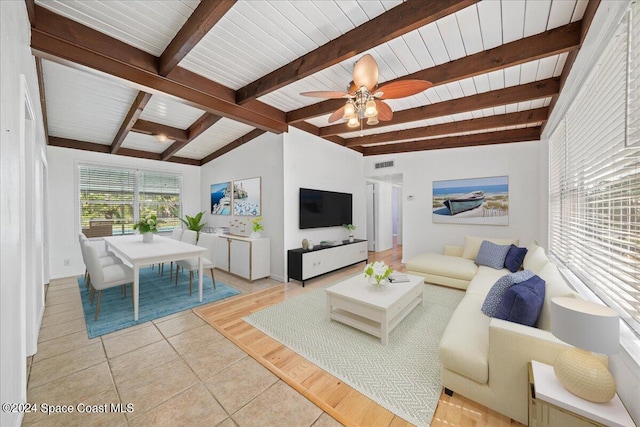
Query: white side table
<point>552,405</point>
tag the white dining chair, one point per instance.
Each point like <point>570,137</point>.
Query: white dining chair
<point>106,277</point>
<point>105,258</point>
<point>207,241</point>
<point>189,236</point>
<point>176,234</point>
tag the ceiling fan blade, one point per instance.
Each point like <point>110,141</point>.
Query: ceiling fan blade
<point>403,88</point>
<point>385,113</point>
<point>326,94</point>
<point>337,115</point>
<point>365,72</point>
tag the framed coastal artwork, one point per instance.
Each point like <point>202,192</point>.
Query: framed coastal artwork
<point>483,201</point>
<point>221,198</point>
<point>247,197</point>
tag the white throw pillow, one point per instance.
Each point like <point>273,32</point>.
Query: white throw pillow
<point>535,260</point>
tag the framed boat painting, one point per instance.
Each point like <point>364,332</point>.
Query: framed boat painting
<point>221,198</point>
<point>479,201</point>
<point>247,197</point>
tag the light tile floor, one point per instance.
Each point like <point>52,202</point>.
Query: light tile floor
<point>176,370</point>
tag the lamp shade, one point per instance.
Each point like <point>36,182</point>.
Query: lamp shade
<point>586,325</point>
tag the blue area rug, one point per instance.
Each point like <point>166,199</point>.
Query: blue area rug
<point>158,298</point>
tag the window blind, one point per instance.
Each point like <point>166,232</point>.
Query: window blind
<point>160,193</point>
<point>106,195</point>
<point>594,179</point>
<point>116,198</point>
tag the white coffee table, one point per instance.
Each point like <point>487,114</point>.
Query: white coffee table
<point>357,303</point>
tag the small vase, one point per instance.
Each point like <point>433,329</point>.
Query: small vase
<point>351,238</point>
<point>147,237</point>
<point>378,284</point>
<point>255,235</point>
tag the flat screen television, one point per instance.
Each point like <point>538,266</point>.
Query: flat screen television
<point>324,208</point>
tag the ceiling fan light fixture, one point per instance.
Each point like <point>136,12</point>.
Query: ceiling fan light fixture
<point>372,120</point>
<point>370,108</point>
<point>160,137</point>
<point>349,110</point>
<point>353,122</point>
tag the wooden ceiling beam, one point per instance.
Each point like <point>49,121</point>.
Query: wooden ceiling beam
<point>196,129</point>
<point>499,120</point>
<point>102,148</point>
<point>489,138</point>
<point>399,20</point>
<point>43,98</point>
<point>495,98</point>
<point>141,100</point>
<point>31,11</point>
<point>65,41</point>
<point>558,40</point>
<point>201,21</point>
<point>150,128</point>
<point>233,145</point>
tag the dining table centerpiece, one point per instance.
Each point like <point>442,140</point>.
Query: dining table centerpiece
<point>377,272</point>
<point>147,225</point>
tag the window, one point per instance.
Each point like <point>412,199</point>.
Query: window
<point>594,178</point>
<point>112,200</point>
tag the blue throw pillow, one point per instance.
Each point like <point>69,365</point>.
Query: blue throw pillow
<point>522,303</point>
<point>514,258</point>
<point>497,291</point>
<point>492,255</point>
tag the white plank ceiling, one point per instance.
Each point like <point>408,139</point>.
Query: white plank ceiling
<point>255,38</point>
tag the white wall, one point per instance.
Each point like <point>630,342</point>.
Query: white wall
<point>519,161</point>
<point>20,149</point>
<point>63,199</point>
<point>312,162</point>
<point>260,157</point>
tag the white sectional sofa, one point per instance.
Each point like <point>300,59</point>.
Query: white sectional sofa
<point>483,358</point>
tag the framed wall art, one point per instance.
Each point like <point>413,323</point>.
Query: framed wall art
<point>247,197</point>
<point>483,201</point>
<point>221,198</point>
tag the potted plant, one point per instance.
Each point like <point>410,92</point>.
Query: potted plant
<point>350,227</point>
<point>256,226</point>
<point>147,225</point>
<point>193,223</point>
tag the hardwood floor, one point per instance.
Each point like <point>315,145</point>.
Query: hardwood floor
<point>339,400</point>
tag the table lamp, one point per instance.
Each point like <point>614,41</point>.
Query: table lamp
<point>589,327</point>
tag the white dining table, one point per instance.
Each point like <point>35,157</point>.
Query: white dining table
<point>162,249</point>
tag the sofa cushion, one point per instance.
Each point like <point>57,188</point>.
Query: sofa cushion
<point>497,291</point>
<point>522,303</point>
<point>555,287</point>
<point>484,280</point>
<point>515,257</point>
<point>443,265</point>
<point>472,245</point>
<point>492,255</point>
<point>535,259</point>
<point>464,347</point>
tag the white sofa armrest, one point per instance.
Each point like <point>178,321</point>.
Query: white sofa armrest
<point>511,347</point>
<point>453,250</point>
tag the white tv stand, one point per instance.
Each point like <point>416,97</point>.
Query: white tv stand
<point>303,264</point>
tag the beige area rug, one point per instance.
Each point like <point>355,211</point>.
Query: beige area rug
<point>403,376</point>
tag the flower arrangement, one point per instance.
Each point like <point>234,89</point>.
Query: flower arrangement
<point>256,224</point>
<point>147,223</point>
<point>377,271</point>
<point>349,227</point>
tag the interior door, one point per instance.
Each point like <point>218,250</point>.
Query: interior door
<point>371,216</point>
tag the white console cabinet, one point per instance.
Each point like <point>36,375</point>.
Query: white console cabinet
<point>306,264</point>
<point>243,256</point>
